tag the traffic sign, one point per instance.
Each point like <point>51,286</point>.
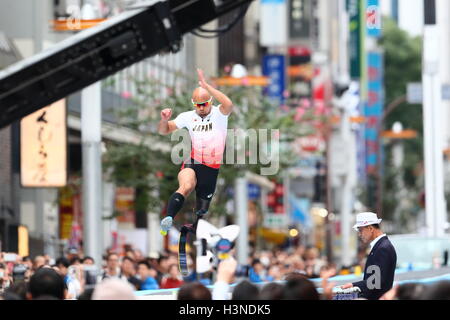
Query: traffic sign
<point>414,92</point>
<point>275,220</point>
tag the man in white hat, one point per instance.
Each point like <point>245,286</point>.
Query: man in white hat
<point>381,262</point>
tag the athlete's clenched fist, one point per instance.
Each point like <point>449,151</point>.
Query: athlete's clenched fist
<point>166,114</point>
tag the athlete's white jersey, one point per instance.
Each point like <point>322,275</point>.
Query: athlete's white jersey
<point>208,135</point>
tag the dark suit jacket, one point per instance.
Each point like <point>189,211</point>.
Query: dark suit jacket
<point>382,255</point>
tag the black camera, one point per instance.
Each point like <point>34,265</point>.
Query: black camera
<point>19,272</point>
<point>242,271</point>
<point>91,274</point>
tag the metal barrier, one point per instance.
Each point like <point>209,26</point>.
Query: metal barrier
<point>346,294</point>
<point>403,275</point>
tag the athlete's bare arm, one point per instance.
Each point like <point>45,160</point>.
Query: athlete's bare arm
<point>226,105</point>
<point>166,126</point>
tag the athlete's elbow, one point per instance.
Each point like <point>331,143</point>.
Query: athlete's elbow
<point>228,105</point>
<point>163,132</point>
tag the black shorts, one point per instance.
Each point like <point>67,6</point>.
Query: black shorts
<point>206,178</point>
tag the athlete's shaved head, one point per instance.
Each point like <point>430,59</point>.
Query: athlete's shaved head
<point>200,95</point>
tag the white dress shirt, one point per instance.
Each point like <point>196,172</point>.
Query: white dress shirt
<point>374,241</point>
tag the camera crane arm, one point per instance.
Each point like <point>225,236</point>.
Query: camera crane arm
<point>101,51</point>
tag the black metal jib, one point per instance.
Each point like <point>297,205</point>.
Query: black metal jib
<point>101,51</point>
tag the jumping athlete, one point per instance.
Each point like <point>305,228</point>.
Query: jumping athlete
<point>207,125</point>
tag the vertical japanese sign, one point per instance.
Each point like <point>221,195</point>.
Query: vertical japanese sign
<point>124,205</point>
<point>300,19</point>
<point>373,110</point>
<point>273,31</point>
<point>274,67</point>
<point>315,25</point>
<point>23,241</point>
<point>254,191</point>
<point>300,73</point>
<point>43,147</point>
<point>66,214</point>
<point>373,18</point>
<point>354,12</point>
<point>70,215</point>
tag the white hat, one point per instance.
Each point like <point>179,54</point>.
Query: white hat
<point>365,219</point>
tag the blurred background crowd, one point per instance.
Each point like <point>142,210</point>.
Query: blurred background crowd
<point>269,275</point>
<point>156,270</point>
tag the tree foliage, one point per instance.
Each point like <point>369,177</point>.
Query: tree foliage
<point>403,64</point>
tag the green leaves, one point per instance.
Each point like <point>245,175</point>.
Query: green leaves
<point>403,64</point>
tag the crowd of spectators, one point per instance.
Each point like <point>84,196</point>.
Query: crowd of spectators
<point>154,271</point>
<point>268,275</point>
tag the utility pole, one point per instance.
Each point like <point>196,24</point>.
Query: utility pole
<point>92,171</point>
<point>346,173</point>
<point>397,160</point>
<point>347,187</point>
<point>432,115</point>
<point>342,148</point>
<point>241,197</point>
<point>380,187</point>
<point>329,225</point>
<point>241,205</point>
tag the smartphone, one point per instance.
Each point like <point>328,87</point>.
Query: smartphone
<point>91,274</point>
<point>19,272</point>
<point>72,271</point>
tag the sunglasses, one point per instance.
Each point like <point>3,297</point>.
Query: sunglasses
<point>201,104</point>
<point>360,229</point>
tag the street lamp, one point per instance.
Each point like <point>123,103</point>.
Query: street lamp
<point>435,206</point>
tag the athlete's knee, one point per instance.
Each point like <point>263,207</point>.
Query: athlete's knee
<point>186,188</point>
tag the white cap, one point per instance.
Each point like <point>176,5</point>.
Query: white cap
<point>366,219</point>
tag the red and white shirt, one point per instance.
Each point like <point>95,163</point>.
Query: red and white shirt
<point>208,135</point>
